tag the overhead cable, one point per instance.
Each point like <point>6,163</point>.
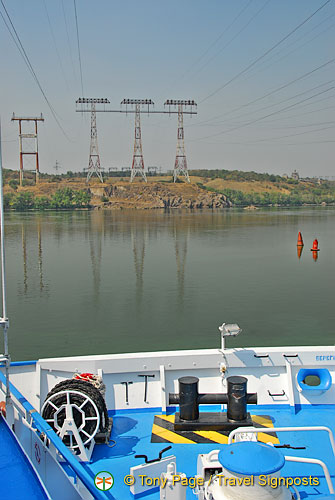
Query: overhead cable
<point>78,44</point>
<point>26,59</point>
<point>279,102</point>
<point>266,116</point>
<point>55,44</point>
<point>221,35</point>
<point>257,71</point>
<point>212,44</point>
<point>235,36</point>
<point>266,52</point>
<point>68,38</point>
<point>271,92</point>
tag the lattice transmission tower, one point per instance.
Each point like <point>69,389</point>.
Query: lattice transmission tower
<point>180,164</point>
<point>94,165</point>
<point>137,167</point>
<point>28,142</point>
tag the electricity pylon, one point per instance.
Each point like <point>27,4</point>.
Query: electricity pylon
<point>28,143</point>
<point>180,165</point>
<point>94,165</point>
<point>137,167</point>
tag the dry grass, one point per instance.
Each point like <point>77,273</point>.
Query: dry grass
<point>246,186</point>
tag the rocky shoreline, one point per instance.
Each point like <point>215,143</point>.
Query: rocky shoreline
<point>156,195</point>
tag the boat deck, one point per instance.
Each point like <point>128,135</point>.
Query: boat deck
<point>132,433</point>
<point>17,477</point>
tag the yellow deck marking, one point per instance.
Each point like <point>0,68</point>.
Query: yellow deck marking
<point>169,418</point>
<point>170,436</point>
<point>213,436</point>
<point>263,421</point>
<point>266,438</point>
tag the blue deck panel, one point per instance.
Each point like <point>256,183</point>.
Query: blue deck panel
<point>132,433</point>
<point>17,477</point>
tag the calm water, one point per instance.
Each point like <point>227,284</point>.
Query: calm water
<point>104,282</point>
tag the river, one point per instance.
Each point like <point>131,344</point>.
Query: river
<point>98,282</point>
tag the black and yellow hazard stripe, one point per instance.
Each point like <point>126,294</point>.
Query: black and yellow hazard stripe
<point>163,432</point>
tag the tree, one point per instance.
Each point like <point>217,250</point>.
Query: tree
<point>81,198</point>
<point>22,201</point>
<point>42,203</point>
<point>63,198</point>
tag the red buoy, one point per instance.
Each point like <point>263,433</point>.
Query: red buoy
<point>315,246</point>
<point>300,240</point>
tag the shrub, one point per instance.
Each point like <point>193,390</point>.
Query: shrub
<point>42,203</point>
<point>13,183</point>
<point>22,201</point>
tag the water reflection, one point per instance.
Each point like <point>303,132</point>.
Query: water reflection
<point>24,257</point>
<point>181,237</point>
<point>40,261</point>
<point>200,268</point>
<point>95,235</point>
<point>28,235</point>
<point>138,236</point>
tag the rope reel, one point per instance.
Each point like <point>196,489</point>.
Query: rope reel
<point>76,410</point>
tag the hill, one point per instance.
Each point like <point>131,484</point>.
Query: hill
<point>207,189</point>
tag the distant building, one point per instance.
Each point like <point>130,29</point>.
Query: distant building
<point>295,175</point>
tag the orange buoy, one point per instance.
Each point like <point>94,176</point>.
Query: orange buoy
<point>299,250</point>
<point>300,240</point>
<point>3,408</point>
<point>315,246</point>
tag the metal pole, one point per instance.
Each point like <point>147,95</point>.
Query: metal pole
<point>37,161</point>
<point>21,154</point>
<point>4,319</point>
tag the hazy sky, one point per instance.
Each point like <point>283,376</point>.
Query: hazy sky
<point>180,49</point>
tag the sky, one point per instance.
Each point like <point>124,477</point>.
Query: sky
<point>261,71</point>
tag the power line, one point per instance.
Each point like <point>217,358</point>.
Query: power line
<point>29,65</point>
<point>220,36</point>
<point>55,44</point>
<point>296,48</point>
<point>280,102</point>
<point>271,92</point>
<point>78,43</point>
<point>211,45</point>
<point>234,37</point>
<point>265,53</point>
<point>68,38</point>
<point>293,135</point>
<point>268,115</point>
<point>306,112</point>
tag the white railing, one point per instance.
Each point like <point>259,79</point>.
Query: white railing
<point>316,462</point>
<point>270,430</point>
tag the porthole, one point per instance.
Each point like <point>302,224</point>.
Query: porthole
<point>312,380</point>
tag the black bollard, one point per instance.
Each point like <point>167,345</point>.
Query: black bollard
<point>237,398</point>
<point>188,394</point>
<point>190,419</point>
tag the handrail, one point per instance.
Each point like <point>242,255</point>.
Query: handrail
<point>316,462</point>
<point>83,474</point>
<point>239,430</point>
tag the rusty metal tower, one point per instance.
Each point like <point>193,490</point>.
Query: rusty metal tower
<point>94,165</point>
<point>28,142</point>
<point>180,165</point>
<point>137,167</point>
